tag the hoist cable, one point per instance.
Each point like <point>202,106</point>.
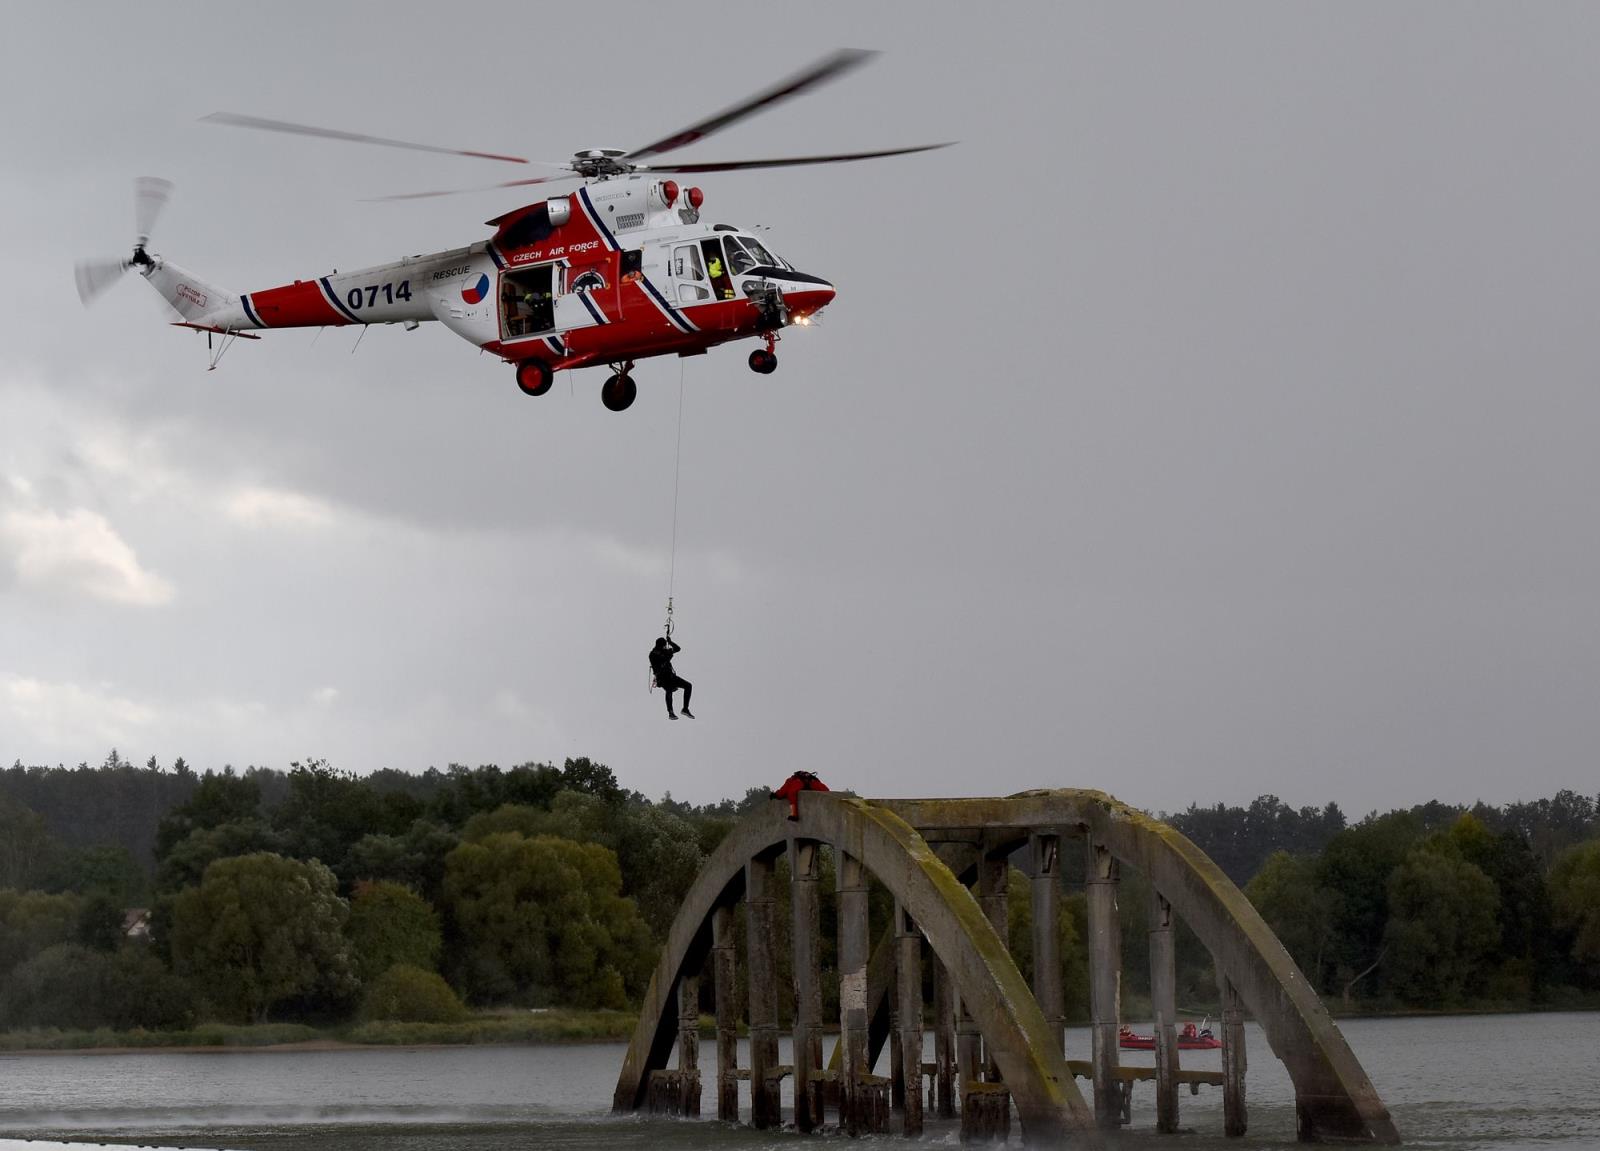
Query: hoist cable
<point>677,465</point>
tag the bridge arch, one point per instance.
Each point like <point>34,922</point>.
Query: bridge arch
<point>900,842</point>
<point>1047,1097</point>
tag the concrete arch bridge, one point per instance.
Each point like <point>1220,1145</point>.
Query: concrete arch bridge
<point>997,1041</point>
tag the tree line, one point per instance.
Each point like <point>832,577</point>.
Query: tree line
<point>318,896</point>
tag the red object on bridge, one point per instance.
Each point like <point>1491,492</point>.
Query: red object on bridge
<point>794,785</point>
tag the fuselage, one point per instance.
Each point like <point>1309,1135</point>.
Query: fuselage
<point>617,271</point>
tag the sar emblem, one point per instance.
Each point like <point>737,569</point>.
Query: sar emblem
<point>589,281</point>
<point>474,293</point>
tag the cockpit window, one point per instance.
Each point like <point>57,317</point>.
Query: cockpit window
<point>739,260</point>
<point>762,256</point>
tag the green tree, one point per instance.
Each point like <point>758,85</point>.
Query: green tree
<point>26,849</point>
<point>390,924</point>
<point>544,920</point>
<point>1355,867</point>
<point>31,921</point>
<point>1297,907</point>
<point>62,986</point>
<point>407,994</point>
<point>99,922</point>
<point>186,861</point>
<point>1523,910</point>
<point>414,859</point>
<point>262,930</point>
<point>660,857</point>
<point>217,799</point>
<point>141,992</point>
<point>327,811</point>
<point>1575,897</point>
<point>1442,928</point>
<point>72,987</point>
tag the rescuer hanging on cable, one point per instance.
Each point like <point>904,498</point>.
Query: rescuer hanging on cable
<point>667,679</point>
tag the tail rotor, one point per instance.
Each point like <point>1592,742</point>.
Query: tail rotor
<point>150,195</point>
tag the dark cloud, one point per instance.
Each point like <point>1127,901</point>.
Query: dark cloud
<point>1218,418</point>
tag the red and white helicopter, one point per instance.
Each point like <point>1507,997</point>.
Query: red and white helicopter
<point>619,270</point>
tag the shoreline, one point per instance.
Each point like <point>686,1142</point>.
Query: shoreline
<point>502,1031</point>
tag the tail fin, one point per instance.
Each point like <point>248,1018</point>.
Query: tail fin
<point>193,299</point>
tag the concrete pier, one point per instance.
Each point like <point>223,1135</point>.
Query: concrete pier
<point>945,1073</point>
<point>1045,898</point>
<point>1163,1005</point>
<point>854,954</point>
<point>805,871</point>
<point>994,874</point>
<point>724,973</point>
<point>908,1012</point>
<point>761,948</point>
<point>689,1045</point>
<point>1105,982</point>
<point>1234,1118</point>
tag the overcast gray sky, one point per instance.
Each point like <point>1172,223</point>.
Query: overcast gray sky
<point>1218,418</point>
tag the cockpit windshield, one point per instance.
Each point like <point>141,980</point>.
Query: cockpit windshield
<point>745,253</point>
<point>761,255</point>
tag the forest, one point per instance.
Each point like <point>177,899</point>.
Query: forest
<point>156,898</point>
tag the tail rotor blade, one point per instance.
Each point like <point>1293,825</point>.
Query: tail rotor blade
<point>150,195</point>
<point>95,276</point>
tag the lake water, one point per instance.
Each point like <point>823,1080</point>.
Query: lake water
<point>1490,1083</point>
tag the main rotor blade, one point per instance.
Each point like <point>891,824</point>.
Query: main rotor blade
<point>835,64</point>
<point>465,191</point>
<point>236,120</point>
<point>95,276</point>
<point>150,195</point>
<point>790,161</point>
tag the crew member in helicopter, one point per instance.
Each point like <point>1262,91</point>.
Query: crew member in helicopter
<point>668,680</point>
<point>719,280</point>
<point>541,310</point>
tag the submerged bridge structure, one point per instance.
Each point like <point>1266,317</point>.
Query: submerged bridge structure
<point>996,1040</point>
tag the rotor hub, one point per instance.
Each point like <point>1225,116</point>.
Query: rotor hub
<point>600,163</point>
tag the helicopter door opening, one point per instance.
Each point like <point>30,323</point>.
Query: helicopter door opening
<point>689,274</point>
<point>528,300</point>
<point>721,282</point>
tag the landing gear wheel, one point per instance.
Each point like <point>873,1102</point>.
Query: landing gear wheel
<point>619,392</point>
<point>534,377</point>
<point>763,362</point>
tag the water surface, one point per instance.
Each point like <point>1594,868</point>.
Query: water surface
<point>1495,1083</point>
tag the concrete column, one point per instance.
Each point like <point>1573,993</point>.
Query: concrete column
<point>1163,1005</point>
<point>1234,1119</point>
<point>908,1011</point>
<point>724,973</point>
<point>761,946</point>
<point>1045,889</point>
<point>689,1044</point>
<point>853,959</point>
<point>1105,982</point>
<point>993,883</point>
<point>969,1048</point>
<point>944,1042</point>
<point>806,936</point>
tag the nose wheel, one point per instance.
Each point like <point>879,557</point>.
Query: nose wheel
<point>763,361</point>
<point>619,392</point>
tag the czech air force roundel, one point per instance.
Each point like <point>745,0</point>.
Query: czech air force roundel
<point>474,293</point>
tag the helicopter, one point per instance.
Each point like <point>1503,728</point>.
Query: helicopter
<point>619,270</point>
